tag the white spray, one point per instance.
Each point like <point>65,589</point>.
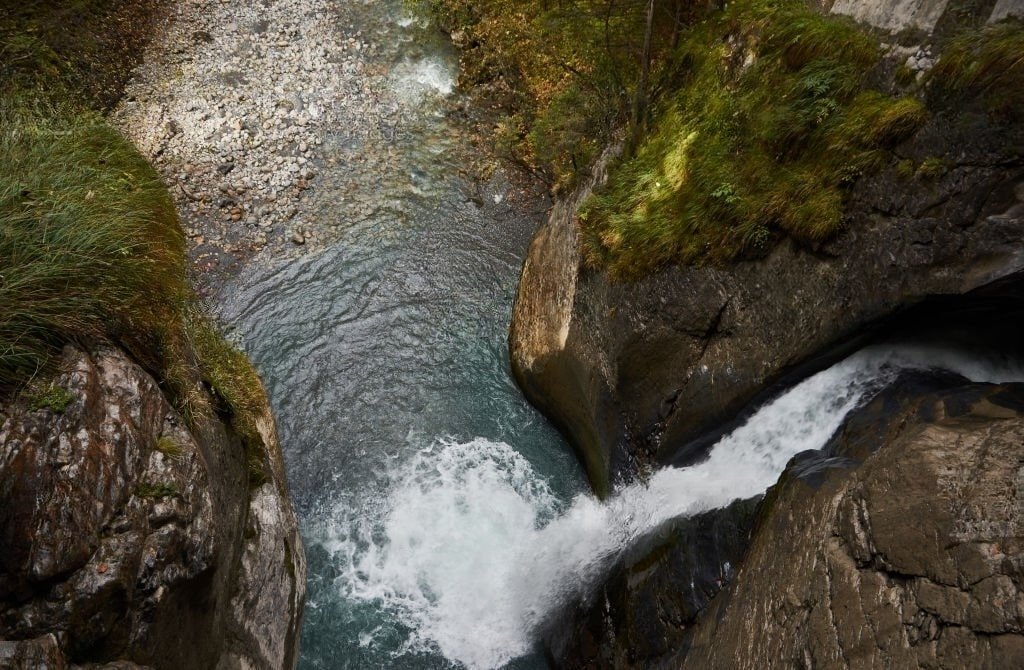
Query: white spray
<point>471,550</point>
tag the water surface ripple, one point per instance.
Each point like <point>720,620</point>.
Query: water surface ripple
<point>395,335</point>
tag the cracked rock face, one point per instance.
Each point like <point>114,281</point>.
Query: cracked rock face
<point>912,560</point>
<point>899,545</point>
<point>124,533</point>
<point>633,373</point>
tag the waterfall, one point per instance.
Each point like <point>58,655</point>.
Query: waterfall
<point>470,550</point>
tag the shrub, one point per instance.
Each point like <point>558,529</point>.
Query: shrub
<point>564,74</point>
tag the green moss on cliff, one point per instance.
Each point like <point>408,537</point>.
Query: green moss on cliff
<point>157,491</point>
<point>229,374</point>
<point>772,119</point>
<point>49,396</point>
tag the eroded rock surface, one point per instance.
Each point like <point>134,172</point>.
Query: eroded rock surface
<point>635,371</point>
<point>644,610</point>
<point>912,560</point>
<point>127,537</point>
<point>899,545</point>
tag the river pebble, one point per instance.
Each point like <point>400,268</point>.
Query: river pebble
<point>233,104</point>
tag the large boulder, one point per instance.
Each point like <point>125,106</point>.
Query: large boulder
<point>912,560</point>
<point>634,372</point>
<point>129,537</point>
<point>897,545</point>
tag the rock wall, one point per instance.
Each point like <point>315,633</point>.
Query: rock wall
<point>899,545</point>
<point>129,537</point>
<point>635,372</point>
<point>644,611</point>
<point>924,16</point>
<point>912,560</point>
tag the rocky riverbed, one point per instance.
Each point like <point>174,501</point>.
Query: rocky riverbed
<point>246,107</point>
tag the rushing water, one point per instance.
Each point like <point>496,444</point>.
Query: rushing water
<point>444,519</point>
<point>469,548</point>
<point>395,336</point>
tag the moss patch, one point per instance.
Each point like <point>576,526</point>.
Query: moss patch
<point>230,376</point>
<point>772,119</point>
<point>157,491</point>
<point>51,396</point>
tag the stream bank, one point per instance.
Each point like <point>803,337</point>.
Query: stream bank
<point>382,336</point>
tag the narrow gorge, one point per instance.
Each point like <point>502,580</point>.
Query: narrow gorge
<point>451,334</point>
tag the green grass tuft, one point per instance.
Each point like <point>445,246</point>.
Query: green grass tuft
<point>157,491</point>
<point>89,238</point>
<point>169,447</point>
<point>986,62</point>
<point>52,397</point>
<point>772,119</point>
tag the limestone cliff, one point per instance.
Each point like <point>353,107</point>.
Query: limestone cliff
<point>128,536</point>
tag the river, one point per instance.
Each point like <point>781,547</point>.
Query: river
<point>444,518</point>
<point>391,343</point>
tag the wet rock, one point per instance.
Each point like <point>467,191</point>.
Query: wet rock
<point>898,545</point>
<point>653,596</point>
<point>117,520</point>
<point>912,560</point>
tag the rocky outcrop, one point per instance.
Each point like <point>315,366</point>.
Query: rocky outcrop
<point>908,557</point>
<point>636,371</point>
<point>129,537</point>
<point>912,560</point>
<point>922,15</point>
<point>644,610</point>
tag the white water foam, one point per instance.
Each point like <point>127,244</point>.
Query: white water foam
<point>471,551</point>
<point>413,80</point>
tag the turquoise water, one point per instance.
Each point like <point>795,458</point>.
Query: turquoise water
<point>386,354</point>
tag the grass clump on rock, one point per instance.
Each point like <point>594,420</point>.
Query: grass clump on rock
<point>772,118</point>
<point>93,252</point>
<point>91,249</point>
<point>89,238</point>
<point>987,63</point>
